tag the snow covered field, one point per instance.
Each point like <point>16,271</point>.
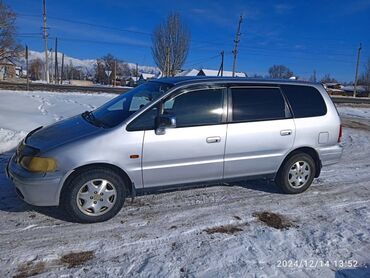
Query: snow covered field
<point>245,229</point>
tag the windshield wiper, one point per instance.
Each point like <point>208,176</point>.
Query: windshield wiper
<point>89,116</point>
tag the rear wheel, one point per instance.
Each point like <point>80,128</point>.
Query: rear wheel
<point>94,195</point>
<point>296,174</point>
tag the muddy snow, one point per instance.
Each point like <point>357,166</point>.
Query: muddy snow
<point>236,230</point>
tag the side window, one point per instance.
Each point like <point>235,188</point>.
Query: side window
<point>305,101</point>
<point>201,107</point>
<point>145,121</point>
<point>257,104</point>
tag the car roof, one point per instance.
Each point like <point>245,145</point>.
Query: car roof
<point>184,80</point>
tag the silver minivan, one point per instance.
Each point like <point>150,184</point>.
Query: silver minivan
<point>178,131</point>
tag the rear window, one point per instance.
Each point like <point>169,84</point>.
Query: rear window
<point>305,101</point>
<point>257,104</point>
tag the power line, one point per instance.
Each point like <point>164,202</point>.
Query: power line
<point>210,43</point>
<point>200,61</point>
<point>254,51</point>
<point>259,50</point>
<point>294,57</point>
<point>91,24</point>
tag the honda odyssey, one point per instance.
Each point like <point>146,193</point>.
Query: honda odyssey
<point>178,131</point>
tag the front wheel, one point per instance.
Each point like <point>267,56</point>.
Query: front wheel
<point>94,195</point>
<point>296,174</point>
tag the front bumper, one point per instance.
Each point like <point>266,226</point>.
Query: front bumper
<point>330,155</point>
<point>34,188</point>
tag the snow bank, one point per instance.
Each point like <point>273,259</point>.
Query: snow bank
<point>21,111</point>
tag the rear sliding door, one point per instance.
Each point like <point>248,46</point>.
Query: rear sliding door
<point>260,132</point>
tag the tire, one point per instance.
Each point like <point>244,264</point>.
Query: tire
<point>94,195</point>
<point>293,181</point>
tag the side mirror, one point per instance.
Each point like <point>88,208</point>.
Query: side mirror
<point>164,121</point>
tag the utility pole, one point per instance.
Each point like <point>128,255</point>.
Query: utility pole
<point>357,65</point>
<point>221,70</point>
<point>62,69</point>
<point>56,71</point>
<point>45,36</point>
<point>28,80</point>
<point>236,42</point>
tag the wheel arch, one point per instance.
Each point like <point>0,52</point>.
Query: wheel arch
<point>118,170</point>
<point>307,150</point>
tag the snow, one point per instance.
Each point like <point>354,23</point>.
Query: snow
<point>146,76</point>
<point>354,111</point>
<point>165,235</point>
<point>191,72</point>
<point>21,112</point>
<point>209,72</point>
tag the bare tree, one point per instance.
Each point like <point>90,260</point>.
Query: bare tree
<point>328,79</point>
<point>110,63</point>
<point>170,44</point>
<point>280,71</point>
<point>36,69</point>
<point>8,45</point>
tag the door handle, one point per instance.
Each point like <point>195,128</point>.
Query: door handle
<point>214,139</point>
<point>286,132</point>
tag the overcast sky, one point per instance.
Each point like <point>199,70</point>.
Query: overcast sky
<point>303,35</point>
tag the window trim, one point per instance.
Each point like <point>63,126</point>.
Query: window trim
<point>230,120</point>
<point>179,91</point>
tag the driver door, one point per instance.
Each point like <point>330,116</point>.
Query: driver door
<point>194,150</point>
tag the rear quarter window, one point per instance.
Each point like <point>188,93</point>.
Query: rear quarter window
<point>305,101</point>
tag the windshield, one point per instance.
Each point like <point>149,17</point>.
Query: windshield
<point>120,108</point>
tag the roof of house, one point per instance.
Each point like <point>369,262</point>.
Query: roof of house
<point>360,89</point>
<point>147,75</point>
<point>6,61</point>
<point>209,72</point>
<point>192,72</point>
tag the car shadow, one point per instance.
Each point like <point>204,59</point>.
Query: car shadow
<point>264,185</point>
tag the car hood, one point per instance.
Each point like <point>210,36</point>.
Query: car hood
<point>61,133</point>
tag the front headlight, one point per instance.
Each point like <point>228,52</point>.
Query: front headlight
<point>39,164</point>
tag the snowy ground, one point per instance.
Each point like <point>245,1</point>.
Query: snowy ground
<point>206,232</point>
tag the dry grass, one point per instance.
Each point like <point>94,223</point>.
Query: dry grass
<point>75,259</point>
<point>224,229</point>
<point>273,220</point>
<point>30,269</point>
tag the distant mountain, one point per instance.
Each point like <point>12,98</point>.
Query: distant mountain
<point>85,65</point>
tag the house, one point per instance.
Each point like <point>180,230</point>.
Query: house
<point>360,91</point>
<point>146,76</point>
<point>208,72</point>
<point>20,72</point>
<point>132,81</point>
<point>192,72</point>
<point>334,88</point>
<point>7,69</point>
